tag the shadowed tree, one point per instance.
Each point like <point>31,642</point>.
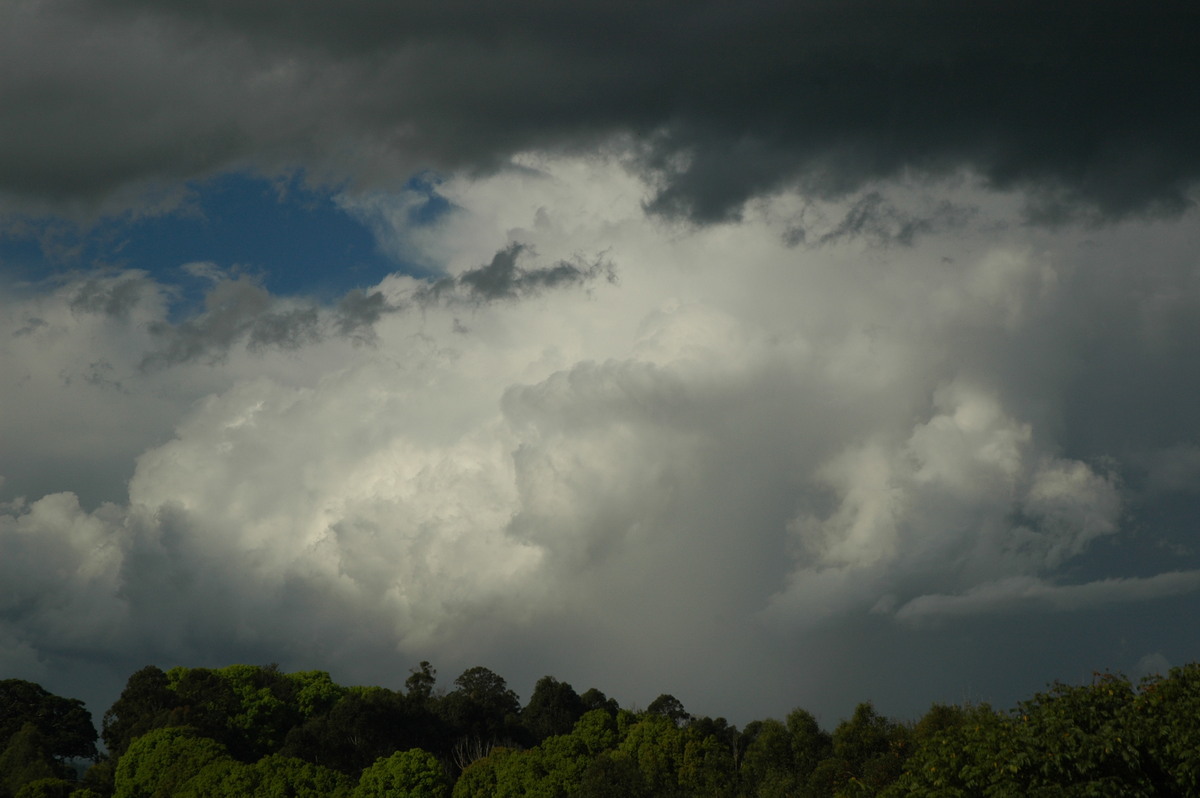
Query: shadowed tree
<point>420,683</point>
<point>869,751</point>
<point>364,725</point>
<point>481,711</point>
<point>65,724</point>
<point>553,708</point>
<point>612,775</point>
<point>1165,712</point>
<point>768,766</point>
<point>208,703</point>
<point>595,699</point>
<point>145,704</point>
<point>26,759</point>
<point>669,707</point>
<point>48,788</point>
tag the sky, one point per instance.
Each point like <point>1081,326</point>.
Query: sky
<point>770,355</point>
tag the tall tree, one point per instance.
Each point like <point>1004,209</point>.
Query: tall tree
<point>869,751</point>
<point>146,703</point>
<point>669,707</point>
<point>481,708</point>
<point>768,765</point>
<point>656,745</point>
<point>810,743</point>
<point>421,681</point>
<point>595,699</point>
<point>553,708</point>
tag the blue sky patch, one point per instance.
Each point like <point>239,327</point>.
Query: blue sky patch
<point>294,238</point>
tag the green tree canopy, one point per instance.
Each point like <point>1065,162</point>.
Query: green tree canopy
<point>707,768</point>
<point>271,777</point>
<point>160,762</point>
<point>478,779</point>
<point>1090,740</point>
<point>260,733</point>
<point>47,788</point>
<point>656,745</point>
<point>280,776</point>
<point>1165,714</point>
<point>597,730</point>
<point>869,751</point>
<point>612,775</point>
<point>266,710</point>
<point>768,767</point>
<point>221,778</point>
<point>405,774</point>
<point>810,743</point>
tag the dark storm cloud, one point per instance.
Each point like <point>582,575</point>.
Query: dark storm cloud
<point>1087,105</point>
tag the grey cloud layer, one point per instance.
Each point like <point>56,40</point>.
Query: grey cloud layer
<point>1089,106</point>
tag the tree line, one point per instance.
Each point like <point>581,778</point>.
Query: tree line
<point>257,731</point>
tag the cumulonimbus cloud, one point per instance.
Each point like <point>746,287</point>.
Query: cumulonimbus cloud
<point>740,440</point>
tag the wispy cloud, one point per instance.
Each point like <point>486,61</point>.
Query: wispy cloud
<point>1030,594</point>
<point>503,279</point>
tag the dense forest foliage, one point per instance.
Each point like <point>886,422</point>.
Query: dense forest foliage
<point>256,731</point>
